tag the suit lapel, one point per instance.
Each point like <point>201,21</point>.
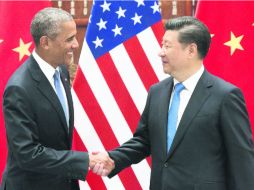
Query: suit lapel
<point>46,89</point>
<point>199,96</point>
<point>163,116</point>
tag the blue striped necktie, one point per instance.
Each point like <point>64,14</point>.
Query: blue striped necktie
<point>60,94</point>
<point>173,114</point>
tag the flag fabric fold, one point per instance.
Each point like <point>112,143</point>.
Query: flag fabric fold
<point>15,47</point>
<point>118,64</point>
<point>231,24</point>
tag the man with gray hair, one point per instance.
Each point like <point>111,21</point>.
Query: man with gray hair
<point>38,112</point>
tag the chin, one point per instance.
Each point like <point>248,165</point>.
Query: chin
<point>68,62</point>
<point>166,71</point>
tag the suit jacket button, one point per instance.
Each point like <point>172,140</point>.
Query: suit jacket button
<point>166,165</point>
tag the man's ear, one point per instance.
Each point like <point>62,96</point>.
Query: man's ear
<point>193,50</point>
<point>44,42</point>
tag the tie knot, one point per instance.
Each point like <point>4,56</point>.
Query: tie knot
<point>179,87</point>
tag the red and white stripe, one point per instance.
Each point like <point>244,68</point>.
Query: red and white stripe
<point>109,95</point>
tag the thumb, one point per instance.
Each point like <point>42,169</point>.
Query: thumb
<point>95,152</point>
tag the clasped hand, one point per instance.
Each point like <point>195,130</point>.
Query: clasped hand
<point>100,163</point>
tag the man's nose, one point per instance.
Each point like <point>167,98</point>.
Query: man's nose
<point>75,44</point>
<point>161,52</point>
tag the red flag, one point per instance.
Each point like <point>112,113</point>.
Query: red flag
<point>15,47</point>
<point>118,63</point>
<point>231,24</point>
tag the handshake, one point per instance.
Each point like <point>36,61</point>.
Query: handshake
<point>100,163</point>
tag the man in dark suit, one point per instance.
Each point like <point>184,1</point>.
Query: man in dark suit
<point>38,112</point>
<point>210,146</point>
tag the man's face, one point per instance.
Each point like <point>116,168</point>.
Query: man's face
<point>62,47</point>
<point>173,54</point>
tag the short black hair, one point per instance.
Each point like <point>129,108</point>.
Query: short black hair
<point>191,30</point>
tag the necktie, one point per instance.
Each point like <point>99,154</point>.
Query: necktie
<point>173,114</point>
<point>60,94</point>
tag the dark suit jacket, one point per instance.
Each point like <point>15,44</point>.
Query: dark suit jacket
<point>39,141</point>
<point>212,148</point>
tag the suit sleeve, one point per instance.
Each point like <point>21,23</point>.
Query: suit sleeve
<point>237,135</point>
<point>24,144</point>
<point>137,148</point>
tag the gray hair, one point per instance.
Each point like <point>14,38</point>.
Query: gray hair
<point>47,23</point>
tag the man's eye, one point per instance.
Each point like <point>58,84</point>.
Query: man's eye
<point>70,39</point>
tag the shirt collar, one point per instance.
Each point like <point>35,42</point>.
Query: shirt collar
<point>46,68</point>
<point>192,81</point>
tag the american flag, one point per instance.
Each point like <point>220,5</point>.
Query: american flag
<point>118,63</point>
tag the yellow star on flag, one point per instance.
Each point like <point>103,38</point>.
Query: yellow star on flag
<point>1,41</point>
<point>234,43</point>
<point>212,35</point>
<point>23,49</point>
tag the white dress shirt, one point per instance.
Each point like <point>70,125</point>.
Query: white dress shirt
<point>186,93</point>
<point>49,72</point>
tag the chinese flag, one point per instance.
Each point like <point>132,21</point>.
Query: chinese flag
<point>15,47</point>
<point>231,24</point>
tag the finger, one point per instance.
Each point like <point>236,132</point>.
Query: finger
<point>105,172</point>
<point>100,170</point>
<point>96,168</point>
<point>108,161</point>
<point>109,165</point>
